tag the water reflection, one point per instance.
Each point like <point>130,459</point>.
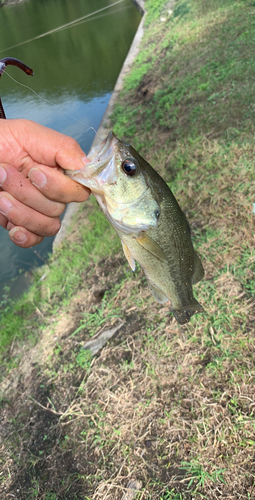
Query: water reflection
<point>75,68</point>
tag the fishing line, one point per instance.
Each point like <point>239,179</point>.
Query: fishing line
<point>74,23</point>
<point>54,104</point>
<point>93,19</point>
<point>64,26</point>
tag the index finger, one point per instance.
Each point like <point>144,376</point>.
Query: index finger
<point>56,186</point>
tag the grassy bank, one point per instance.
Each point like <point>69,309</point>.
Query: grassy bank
<point>169,407</point>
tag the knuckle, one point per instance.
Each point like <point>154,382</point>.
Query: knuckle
<point>35,240</point>
<point>3,222</point>
<point>23,220</point>
<point>83,194</point>
<point>16,190</point>
<point>55,209</point>
<point>71,143</point>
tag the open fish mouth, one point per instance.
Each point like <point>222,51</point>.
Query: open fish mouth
<point>101,168</point>
<point>99,157</point>
<point>106,149</point>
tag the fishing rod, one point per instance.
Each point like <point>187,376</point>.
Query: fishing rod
<point>13,62</point>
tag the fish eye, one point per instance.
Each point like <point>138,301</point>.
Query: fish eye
<point>130,167</point>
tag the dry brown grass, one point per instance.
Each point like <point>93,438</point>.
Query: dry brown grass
<point>157,396</point>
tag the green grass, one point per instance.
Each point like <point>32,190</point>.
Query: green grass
<point>61,278</point>
<point>209,93</point>
<point>171,495</point>
<point>199,475</point>
<point>67,270</point>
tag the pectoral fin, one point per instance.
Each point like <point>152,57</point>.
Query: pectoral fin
<point>151,246</point>
<point>128,256</point>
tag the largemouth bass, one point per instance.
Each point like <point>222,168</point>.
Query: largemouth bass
<point>152,227</point>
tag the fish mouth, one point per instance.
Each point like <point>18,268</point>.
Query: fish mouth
<point>99,157</point>
<point>103,153</point>
<point>106,149</point>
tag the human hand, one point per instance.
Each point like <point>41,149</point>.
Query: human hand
<point>33,189</point>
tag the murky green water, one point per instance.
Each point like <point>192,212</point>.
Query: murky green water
<point>76,68</point>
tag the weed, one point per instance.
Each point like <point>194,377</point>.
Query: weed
<point>6,301</point>
<point>51,496</point>
<point>171,495</point>
<point>199,475</point>
<point>83,359</point>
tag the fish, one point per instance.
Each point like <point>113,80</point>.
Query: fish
<point>153,229</point>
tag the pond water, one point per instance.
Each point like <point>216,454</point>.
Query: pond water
<point>75,68</point>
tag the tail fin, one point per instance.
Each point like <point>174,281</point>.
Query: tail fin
<point>184,314</point>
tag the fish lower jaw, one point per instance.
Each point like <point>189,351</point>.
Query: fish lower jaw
<point>119,223</point>
<point>129,227</point>
<point>128,230</point>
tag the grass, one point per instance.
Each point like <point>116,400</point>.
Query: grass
<point>63,275</point>
<point>169,407</point>
<point>199,475</point>
<point>209,93</point>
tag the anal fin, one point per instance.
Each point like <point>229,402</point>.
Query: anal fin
<point>158,295</point>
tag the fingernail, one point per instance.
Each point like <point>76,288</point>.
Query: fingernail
<point>5,205</point>
<point>17,235</point>
<point>2,175</point>
<point>85,160</point>
<point>37,177</point>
